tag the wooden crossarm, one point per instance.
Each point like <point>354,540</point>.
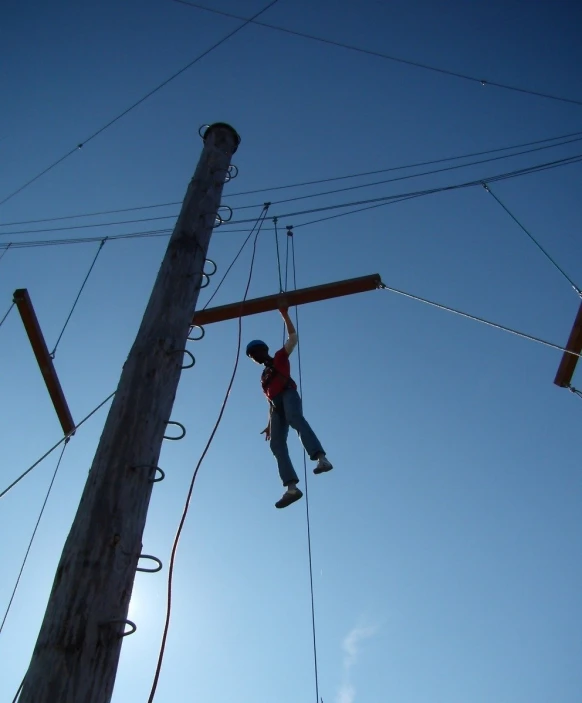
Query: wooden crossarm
<point>289,299</point>
<point>35,335</point>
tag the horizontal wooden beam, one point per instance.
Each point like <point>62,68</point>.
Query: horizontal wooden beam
<point>28,315</point>
<point>569,361</point>
<point>288,299</point>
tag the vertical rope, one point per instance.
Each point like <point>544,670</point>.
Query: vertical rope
<point>275,219</point>
<point>33,535</point>
<point>290,233</point>
<point>54,351</point>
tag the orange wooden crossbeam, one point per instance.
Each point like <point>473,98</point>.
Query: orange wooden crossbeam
<point>288,299</point>
<point>24,304</point>
<point>569,361</point>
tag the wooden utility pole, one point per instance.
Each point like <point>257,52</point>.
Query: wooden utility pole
<point>77,652</point>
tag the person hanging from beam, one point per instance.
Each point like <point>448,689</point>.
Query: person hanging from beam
<point>285,410</point>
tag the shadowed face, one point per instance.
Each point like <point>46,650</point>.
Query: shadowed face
<point>259,354</point>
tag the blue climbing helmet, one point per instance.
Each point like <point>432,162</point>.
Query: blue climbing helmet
<point>255,343</point>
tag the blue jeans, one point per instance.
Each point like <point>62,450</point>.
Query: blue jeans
<point>288,412</point>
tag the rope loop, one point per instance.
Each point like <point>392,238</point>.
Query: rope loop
<point>131,624</point>
<point>211,273</point>
<point>231,173</point>
<point>222,219</point>
<point>157,568</point>
<point>184,351</point>
<point>176,424</point>
<point>196,339</point>
<point>153,471</point>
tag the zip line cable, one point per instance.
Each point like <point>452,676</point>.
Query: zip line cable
<point>376,202</point>
<point>299,197</point>
<point>307,183</point>
<point>259,224</point>
<point>58,444</point>
<point>139,102</point>
<point>534,240</point>
<point>7,313</point>
<point>388,57</point>
<point>33,535</point>
<point>479,319</point>
<point>316,674</point>
<point>54,351</point>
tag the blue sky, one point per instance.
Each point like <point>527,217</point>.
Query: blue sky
<point>446,543</point>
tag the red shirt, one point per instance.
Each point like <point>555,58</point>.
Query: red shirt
<point>277,376</point>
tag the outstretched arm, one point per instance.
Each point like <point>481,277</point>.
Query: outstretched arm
<point>291,342</point>
<point>288,321</point>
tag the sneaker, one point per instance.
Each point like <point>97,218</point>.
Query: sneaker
<point>290,496</point>
<point>323,465</point>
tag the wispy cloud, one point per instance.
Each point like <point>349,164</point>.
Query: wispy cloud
<point>346,693</point>
<point>351,646</point>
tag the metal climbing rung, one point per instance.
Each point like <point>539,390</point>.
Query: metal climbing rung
<point>24,305</point>
<point>569,361</point>
<point>290,298</point>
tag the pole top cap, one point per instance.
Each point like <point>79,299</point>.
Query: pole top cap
<point>223,125</point>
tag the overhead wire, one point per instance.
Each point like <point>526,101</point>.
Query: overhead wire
<point>475,318</point>
<point>54,351</point>
<point>368,205</point>
<point>299,197</point>
<point>140,234</point>
<point>388,57</point>
<point>309,552</point>
<point>50,487</point>
<point>402,167</point>
<point>415,175</point>
<point>55,446</point>
<point>259,224</point>
<point>387,199</point>
<point>309,183</point>
<point>533,239</point>
<point>538,168</point>
<point>140,101</point>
